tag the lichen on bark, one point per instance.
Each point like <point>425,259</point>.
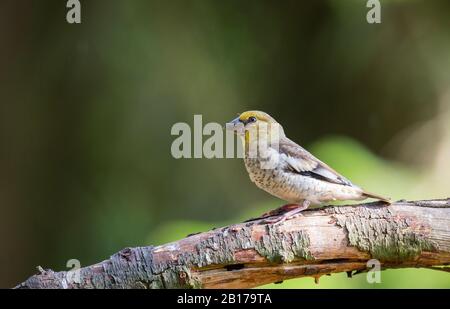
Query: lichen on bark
<point>220,248</point>
<point>405,234</point>
<point>386,236</point>
<point>283,247</point>
<point>273,245</point>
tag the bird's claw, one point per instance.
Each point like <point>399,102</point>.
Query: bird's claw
<point>280,219</point>
<point>293,212</point>
<point>280,210</point>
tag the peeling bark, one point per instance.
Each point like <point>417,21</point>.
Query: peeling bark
<point>322,241</point>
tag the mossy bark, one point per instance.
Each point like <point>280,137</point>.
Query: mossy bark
<point>322,241</point>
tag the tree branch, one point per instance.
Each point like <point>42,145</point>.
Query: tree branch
<point>322,241</point>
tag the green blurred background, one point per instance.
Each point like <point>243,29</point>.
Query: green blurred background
<point>86,112</point>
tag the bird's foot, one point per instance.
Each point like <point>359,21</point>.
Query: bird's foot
<point>290,211</point>
<point>280,210</point>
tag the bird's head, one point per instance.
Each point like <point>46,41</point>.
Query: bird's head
<point>257,122</point>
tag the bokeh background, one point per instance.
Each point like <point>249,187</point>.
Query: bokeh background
<point>86,112</point>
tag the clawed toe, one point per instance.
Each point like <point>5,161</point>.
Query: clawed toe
<point>297,215</point>
<point>293,212</point>
<point>274,220</point>
<point>280,219</point>
<point>280,210</point>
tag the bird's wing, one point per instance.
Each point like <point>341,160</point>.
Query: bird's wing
<point>302,162</point>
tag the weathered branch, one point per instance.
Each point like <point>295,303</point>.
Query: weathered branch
<point>322,241</point>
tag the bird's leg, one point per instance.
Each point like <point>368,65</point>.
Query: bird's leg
<point>290,214</point>
<point>275,212</point>
<point>280,210</point>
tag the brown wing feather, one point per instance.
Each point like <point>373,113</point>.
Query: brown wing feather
<point>302,162</point>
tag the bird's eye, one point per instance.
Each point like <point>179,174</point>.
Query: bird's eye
<point>252,119</point>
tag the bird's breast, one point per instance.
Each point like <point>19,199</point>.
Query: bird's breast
<point>272,179</point>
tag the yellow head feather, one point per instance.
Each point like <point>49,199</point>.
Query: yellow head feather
<point>257,114</point>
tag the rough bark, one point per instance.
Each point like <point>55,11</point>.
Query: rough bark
<point>245,255</point>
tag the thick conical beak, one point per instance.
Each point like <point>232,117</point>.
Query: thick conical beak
<point>234,122</point>
<point>235,125</point>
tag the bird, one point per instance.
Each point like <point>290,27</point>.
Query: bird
<point>286,170</point>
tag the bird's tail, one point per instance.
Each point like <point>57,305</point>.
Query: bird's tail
<point>378,197</point>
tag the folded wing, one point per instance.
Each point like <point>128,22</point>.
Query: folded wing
<point>302,162</point>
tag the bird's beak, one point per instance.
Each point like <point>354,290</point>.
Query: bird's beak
<point>234,122</point>
<point>235,125</point>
